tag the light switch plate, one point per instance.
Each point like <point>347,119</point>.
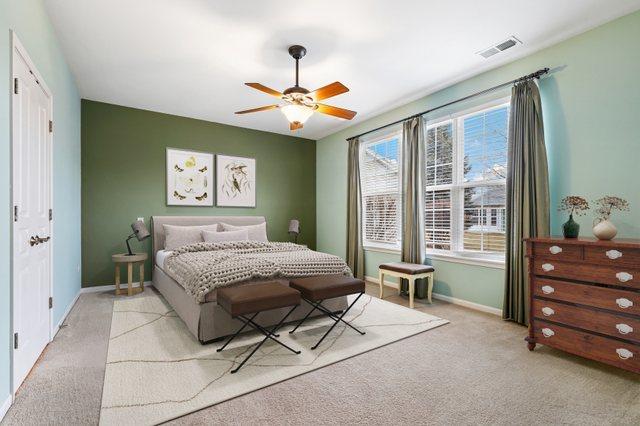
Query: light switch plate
<point>141,219</point>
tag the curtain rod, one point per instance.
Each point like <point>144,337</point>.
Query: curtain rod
<point>536,74</point>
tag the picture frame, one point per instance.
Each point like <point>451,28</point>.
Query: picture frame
<point>235,181</point>
<point>189,178</point>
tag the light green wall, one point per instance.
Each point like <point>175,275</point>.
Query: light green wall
<point>123,177</point>
<point>29,20</point>
<point>591,103</point>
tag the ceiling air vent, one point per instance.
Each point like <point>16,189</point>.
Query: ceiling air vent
<point>500,47</point>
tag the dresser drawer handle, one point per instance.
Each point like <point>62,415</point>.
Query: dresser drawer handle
<point>547,267</point>
<point>555,249</point>
<point>547,332</point>
<point>624,303</point>
<point>547,311</point>
<point>547,289</point>
<point>624,328</point>
<point>624,353</point>
<point>613,254</point>
<point>623,277</point>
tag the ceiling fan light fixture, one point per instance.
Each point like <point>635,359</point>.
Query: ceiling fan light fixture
<point>297,113</point>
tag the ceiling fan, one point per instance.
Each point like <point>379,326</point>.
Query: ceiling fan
<point>299,103</point>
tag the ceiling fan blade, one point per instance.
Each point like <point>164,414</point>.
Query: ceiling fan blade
<point>335,111</point>
<point>264,108</point>
<point>328,91</point>
<point>265,89</point>
<point>295,125</point>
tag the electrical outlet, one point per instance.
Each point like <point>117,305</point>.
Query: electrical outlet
<point>141,219</point>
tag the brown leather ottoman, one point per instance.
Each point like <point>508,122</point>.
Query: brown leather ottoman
<point>242,301</point>
<point>315,290</point>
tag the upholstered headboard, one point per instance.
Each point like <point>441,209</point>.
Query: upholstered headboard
<point>158,221</point>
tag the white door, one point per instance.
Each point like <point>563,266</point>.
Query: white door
<point>31,112</point>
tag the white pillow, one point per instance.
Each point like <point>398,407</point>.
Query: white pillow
<point>178,236</point>
<point>256,232</point>
<point>220,237</point>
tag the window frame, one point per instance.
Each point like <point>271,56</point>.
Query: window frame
<point>392,133</point>
<point>458,185</point>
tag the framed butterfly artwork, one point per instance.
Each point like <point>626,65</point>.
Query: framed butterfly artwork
<point>189,178</point>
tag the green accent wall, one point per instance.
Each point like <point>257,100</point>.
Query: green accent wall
<point>123,178</point>
<point>591,102</point>
<point>28,18</point>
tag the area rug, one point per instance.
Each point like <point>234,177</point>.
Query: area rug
<point>157,371</point>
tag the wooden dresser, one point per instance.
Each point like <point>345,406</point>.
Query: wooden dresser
<point>585,298</point>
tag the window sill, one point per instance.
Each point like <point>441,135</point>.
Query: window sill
<point>382,249</point>
<point>467,259</point>
<point>445,257</point>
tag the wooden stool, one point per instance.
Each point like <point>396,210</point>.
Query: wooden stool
<point>130,261</point>
<point>409,271</point>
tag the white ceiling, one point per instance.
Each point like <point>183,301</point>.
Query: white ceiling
<point>191,57</point>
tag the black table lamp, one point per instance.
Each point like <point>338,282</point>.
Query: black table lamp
<point>294,228</point>
<point>139,231</point>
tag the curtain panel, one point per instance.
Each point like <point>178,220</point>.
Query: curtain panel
<point>355,252</point>
<point>527,195</point>
<point>413,159</point>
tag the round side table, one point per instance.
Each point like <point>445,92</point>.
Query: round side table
<point>121,258</point>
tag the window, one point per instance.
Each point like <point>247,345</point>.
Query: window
<point>380,179</point>
<point>466,169</point>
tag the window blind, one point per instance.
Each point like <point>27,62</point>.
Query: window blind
<point>380,180</point>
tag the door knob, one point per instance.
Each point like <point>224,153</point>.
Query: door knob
<point>34,241</point>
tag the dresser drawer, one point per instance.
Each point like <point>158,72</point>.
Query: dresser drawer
<point>624,301</point>
<point>620,275</point>
<point>611,351</point>
<point>589,319</point>
<point>618,257</point>
<point>570,252</point>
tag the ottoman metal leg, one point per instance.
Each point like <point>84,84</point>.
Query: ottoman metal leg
<point>269,334</point>
<point>318,305</point>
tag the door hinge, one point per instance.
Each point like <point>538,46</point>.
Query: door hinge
<point>15,340</point>
<point>15,85</point>
<point>15,213</point>
<point>50,214</point>
<point>50,126</point>
<point>50,302</point>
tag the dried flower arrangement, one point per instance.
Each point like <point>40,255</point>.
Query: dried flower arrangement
<point>574,204</point>
<point>606,205</point>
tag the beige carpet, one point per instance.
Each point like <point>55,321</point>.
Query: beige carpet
<point>157,371</point>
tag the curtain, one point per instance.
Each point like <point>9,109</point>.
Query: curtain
<point>527,195</point>
<point>355,253</point>
<point>413,170</point>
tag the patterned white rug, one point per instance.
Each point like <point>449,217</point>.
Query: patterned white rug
<point>156,370</point>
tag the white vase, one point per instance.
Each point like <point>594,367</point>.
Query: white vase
<point>604,230</point>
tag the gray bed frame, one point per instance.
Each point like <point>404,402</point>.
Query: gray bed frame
<point>207,321</point>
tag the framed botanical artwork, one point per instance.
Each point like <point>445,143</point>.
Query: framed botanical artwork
<point>189,178</point>
<point>235,181</point>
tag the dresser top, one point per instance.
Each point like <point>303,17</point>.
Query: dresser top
<point>589,241</point>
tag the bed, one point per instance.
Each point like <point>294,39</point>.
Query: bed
<point>206,320</point>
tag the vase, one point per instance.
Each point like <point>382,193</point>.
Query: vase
<point>571,228</point>
<point>604,230</point>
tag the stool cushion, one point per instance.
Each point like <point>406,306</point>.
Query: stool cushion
<point>407,268</point>
<point>323,287</point>
<point>252,298</point>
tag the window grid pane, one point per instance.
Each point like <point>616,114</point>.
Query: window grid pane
<point>465,198</point>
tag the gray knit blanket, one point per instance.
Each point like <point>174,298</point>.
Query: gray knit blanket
<point>203,267</point>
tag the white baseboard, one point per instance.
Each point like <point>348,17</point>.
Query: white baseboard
<point>449,299</point>
<point>99,288</point>
<point>66,313</point>
<point>5,406</point>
